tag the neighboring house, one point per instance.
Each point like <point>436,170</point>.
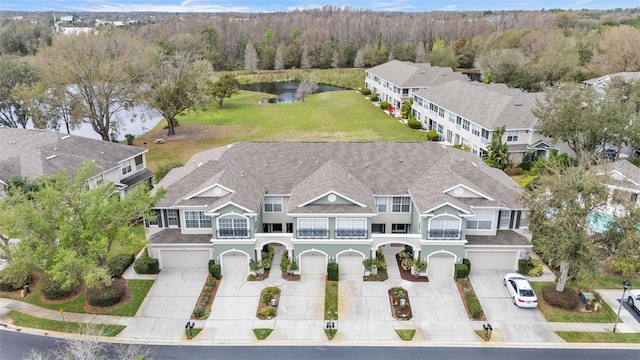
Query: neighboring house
<point>600,83</point>
<point>396,81</point>
<point>467,113</point>
<point>34,153</point>
<point>338,202</point>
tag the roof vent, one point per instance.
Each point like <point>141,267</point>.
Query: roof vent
<point>366,165</point>
<point>349,176</point>
<point>55,149</point>
<point>65,137</point>
<point>300,162</point>
<point>50,157</point>
<point>199,164</point>
<point>400,160</point>
<point>241,173</point>
<point>474,164</point>
<point>265,165</point>
<point>518,104</point>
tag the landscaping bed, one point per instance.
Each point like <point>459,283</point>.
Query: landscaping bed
<point>266,310</point>
<point>405,274</point>
<point>400,304</point>
<point>205,300</point>
<point>470,300</point>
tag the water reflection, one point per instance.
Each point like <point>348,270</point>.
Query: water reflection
<point>285,91</point>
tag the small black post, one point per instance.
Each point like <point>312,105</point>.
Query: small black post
<point>331,325</point>
<point>190,326</point>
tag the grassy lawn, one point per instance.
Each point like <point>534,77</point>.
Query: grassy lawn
<point>191,333</point>
<point>21,319</point>
<point>406,335</point>
<point>330,116</point>
<point>138,289</point>
<point>552,314</point>
<point>605,281</point>
<point>599,337</point>
<point>262,334</point>
<point>331,300</point>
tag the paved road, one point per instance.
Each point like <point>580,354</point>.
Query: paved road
<point>16,345</point>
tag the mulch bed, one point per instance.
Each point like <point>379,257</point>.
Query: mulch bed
<point>398,312</point>
<point>406,274</point>
<point>262,305</point>
<point>259,277</point>
<point>101,310</point>
<point>290,277</point>
<point>461,290</point>
<point>212,295</point>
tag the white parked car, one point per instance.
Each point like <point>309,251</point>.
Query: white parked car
<point>520,290</point>
<point>634,299</point>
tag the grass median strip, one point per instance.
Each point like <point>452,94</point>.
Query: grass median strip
<point>22,319</point>
<point>599,337</point>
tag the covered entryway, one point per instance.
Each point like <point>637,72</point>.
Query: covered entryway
<point>440,264</point>
<point>234,263</point>
<point>493,260</point>
<point>313,263</point>
<point>182,259</point>
<point>350,263</point>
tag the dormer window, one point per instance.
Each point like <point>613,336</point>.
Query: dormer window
<point>401,204</point>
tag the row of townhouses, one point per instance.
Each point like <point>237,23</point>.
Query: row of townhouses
<point>338,202</point>
<point>463,112</point>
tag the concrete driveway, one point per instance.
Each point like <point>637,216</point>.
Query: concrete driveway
<point>300,311</point>
<point>168,305</point>
<point>510,323</point>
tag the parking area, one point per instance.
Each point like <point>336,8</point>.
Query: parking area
<point>510,323</point>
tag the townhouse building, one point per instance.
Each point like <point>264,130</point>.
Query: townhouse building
<point>338,202</point>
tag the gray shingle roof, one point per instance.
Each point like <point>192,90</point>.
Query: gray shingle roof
<point>407,74</point>
<point>307,170</point>
<point>30,153</point>
<point>488,105</point>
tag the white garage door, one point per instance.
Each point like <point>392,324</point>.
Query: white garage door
<point>184,258</point>
<point>493,260</point>
<point>313,263</point>
<point>440,265</point>
<point>235,263</point>
<point>350,263</point>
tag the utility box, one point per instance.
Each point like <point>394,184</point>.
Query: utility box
<point>587,298</point>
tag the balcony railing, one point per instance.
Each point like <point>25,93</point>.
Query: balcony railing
<point>351,234</point>
<point>444,234</point>
<point>313,233</point>
<point>233,233</point>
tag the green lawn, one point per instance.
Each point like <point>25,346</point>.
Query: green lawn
<point>599,337</point>
<point>552,314</point>
<point>21,319</point>
<point>262,334</point>
<point>330,116</point>
<point>331,300</point>
<point>406,335</point>
<point>138,289</point>
<point>605,281</point>
<point>131,245</point>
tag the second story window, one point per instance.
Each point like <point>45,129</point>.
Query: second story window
<point>233,228</point>
<point>196,220</point>
<point>139,162</point>
<point>313,228</point>
<point>126,167</point>
<point>401,204</point>
<point>512,135</point>
<point>465,124</point>
<point>273,204</point>
<point>482,220</point>
<point>99,179</point>
<point>381,204</point>
<point>172,217</point>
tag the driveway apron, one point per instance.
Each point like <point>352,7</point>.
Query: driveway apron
<point>168,305</point>
<point>510,323</point>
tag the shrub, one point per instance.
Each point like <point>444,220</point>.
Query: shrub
<point>284,262</point>
<point>384,105</point>
<point>536,269</point>
<point>621,265</point>
<point>475,309</point>
<point>163,169</point>
<point>374,97</point>
<point>333,272</point>
<point>468,263</point>
<point>414,123</point>
<point>513,171</point>
<point>527,161</point>
<point>129,138</point>
<point>523,266</point>
<point>461,271</point>
<point>266,312</point>
<point>146,265</point>
<point>215,270</point>
<point>266,297</point>
<point>14,277</point>
<point>118,264</point>
<point>52,289</point>
<point>419,266</point>
<point>365,92</point>
<point>273,290</point>
<point>433,135</point>
<point>105,296</point>
<point>198,311</point>
<point>567,299</point>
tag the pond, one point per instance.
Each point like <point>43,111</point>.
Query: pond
<point>285,91</point>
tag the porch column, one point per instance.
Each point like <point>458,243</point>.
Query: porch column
<point>258,254</point>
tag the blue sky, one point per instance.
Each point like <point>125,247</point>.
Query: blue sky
<point>290,5</point>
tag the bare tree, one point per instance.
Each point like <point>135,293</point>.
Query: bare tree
<point>359,60</point>
<point>335,60</point>
<point>250,58</point>
<point>305,89</point>
<point>278,63</point>
<point>421,54</point>
<point>100,74</point>
<point>619,50</point>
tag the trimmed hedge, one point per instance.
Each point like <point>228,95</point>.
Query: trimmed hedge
<point>523,266</point>
<point>51,289</point>
<point>118,264</point>
<point>461,271</point>
<point>433,135</point>
<point>384,105</point>
<point>468,263</point>
<point>7,285</point>
<point>105,296</point>
<point>333,273</point>
<point>374,97</point>
<point>365,91</point>
<point>568,299</point>
<point>146,265</point>
<point>215,270</point>
<point>414,123</point>
<point>475,309</point>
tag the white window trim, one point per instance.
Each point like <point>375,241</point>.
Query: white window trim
<point>379,201</point>
<point>477,216</point>
<point>200,220</point>
<point>274,200</point>
<point>402,204</point>
<point>177,217</point>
